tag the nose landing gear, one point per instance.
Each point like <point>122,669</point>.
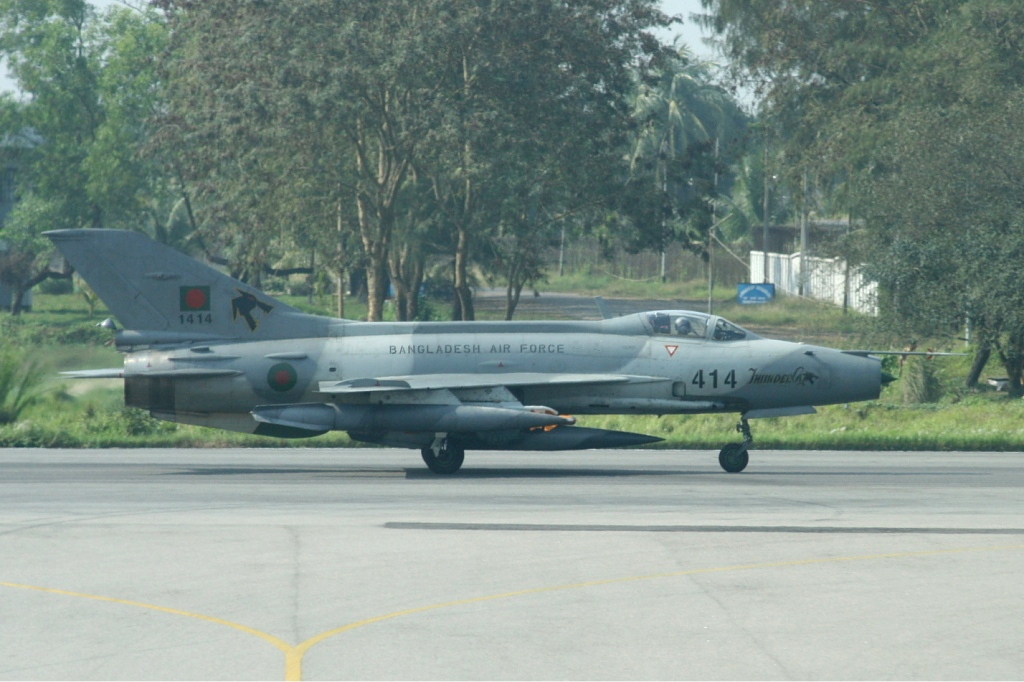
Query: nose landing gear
<point>734,456</point>
<point>443,456</point>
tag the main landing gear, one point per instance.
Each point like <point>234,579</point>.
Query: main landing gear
<point>734,456</point>
<point>443,456</point>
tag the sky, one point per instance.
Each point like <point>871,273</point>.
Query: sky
<point>689,31</point>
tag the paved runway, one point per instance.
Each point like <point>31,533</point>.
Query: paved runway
<point>311,564</point>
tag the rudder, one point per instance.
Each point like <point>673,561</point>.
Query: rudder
<point>151,287</point>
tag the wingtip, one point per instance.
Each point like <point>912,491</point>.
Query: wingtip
<point>56,235</point>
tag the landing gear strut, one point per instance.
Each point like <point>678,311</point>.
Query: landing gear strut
<point>443,456</point>
<point>734,456</point>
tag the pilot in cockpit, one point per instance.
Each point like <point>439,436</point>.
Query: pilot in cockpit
<point>683,327</point>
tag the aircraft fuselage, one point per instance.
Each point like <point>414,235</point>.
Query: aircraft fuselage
<point>679,376</point>
<point>204,348</point>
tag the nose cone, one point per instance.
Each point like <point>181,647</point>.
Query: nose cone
<point>857,377</point>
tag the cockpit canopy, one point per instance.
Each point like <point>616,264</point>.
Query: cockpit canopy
<point>696,326</point>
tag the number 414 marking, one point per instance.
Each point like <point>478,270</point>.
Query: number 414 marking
<point>699,381</point>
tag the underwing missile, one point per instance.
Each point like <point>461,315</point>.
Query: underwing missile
<point>323,417</point>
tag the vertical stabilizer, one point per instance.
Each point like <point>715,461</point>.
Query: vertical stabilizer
<point>150,287</point>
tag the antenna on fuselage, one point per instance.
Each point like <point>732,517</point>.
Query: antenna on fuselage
<point>602,308</point>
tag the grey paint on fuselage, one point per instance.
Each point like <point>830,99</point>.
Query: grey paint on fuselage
<point>766,373</point>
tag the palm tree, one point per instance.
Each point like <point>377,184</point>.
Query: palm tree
<point>680,115</point>
<point>682,108</point>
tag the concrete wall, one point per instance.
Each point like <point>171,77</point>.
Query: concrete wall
<point>824,280</point>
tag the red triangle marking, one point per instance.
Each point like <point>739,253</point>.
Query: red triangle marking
<point>671,350</point>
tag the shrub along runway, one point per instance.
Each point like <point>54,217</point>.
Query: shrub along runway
<point>306,564</point>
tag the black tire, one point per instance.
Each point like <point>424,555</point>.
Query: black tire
<point>448,460</point>
<point>734,458</point>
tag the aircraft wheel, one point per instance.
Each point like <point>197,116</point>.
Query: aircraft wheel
<point>734,457</point>
<point>447,460</point>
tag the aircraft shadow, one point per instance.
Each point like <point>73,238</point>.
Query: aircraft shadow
<point>425,474</point>
<point>505,473</point>
<point>475,473</point>
<point>271,471</point>
<point>483,473</point>
<point>666,528</point>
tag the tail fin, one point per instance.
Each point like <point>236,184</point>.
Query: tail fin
<point>152,288</point>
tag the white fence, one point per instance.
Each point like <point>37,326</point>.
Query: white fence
<point>826,279</point>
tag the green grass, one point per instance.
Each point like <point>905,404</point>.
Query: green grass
<point>326,306</point>
<point>984,422</point>
<point>97,418</point>
<point>610,286</point>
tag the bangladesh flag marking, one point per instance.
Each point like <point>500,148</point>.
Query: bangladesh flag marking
<point>195,299</point>
<point>282,377</point>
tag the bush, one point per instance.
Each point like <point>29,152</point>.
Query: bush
<point>20,381</point>
<point>126,421</point>
<point>920,384</point>
<point>56,286</point>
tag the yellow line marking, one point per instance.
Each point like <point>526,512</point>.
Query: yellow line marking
<point>274,641</point>
<point>293,654</point>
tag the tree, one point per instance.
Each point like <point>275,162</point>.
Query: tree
<point>88,89</point>
<point>681,107</point>
<point>914,110</point>
<point>416,228</point>
<point>25,253</point>
<point>948,228</point>
<point>47,49</point>
<point>540,96</point>
<point>682,120</point>
<point>387,98</point>
<point>261,92</point>
<point>945,207</point>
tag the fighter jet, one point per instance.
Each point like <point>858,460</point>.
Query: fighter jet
<point>203,348</point>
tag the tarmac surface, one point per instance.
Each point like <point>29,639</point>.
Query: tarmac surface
<point>314,564</point>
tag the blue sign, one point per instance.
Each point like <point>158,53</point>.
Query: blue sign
<point>751,294</point>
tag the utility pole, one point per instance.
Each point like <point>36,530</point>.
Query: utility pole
<point>711,239</point>
<point>561,251</point>
<point>846,260</point>
<point>803,238</point>
<point>340,311</point>
<point>764,233</point>
<point>668,151</point>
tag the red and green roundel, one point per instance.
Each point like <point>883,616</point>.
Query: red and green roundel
<point>194,299</point>
<point>282,377</point>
